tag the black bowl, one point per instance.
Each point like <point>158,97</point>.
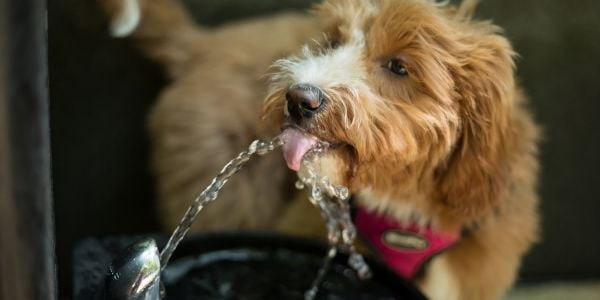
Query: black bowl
<point>250,265</point>
<point>243,265</point>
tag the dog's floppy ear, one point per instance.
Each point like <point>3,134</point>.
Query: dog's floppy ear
<point>471,180</point>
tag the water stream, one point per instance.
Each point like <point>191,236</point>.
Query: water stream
<point>211,192</point>
<point>331,200</point>
<point>333,203</point>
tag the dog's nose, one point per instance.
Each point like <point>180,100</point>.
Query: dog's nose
<point>304,100</point>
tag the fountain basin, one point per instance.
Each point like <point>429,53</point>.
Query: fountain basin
<point>244,265</point>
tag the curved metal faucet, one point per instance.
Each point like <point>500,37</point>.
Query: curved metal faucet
<point>134,274</point>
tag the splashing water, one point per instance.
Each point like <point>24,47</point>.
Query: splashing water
<point>333,203</point>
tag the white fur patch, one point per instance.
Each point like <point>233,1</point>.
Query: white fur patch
<point>336,67</point>
<point>127,20</point>
<point>439,282</point>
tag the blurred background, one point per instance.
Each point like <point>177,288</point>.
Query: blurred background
<point>101,89</point>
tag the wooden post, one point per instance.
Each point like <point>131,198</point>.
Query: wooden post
<point>27,269</point>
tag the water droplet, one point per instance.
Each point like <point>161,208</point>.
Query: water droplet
<point>333,237</point>
<point>262,148</point>
<point>310,294</point>
<point>349,234</point>
<point>317,190</point>
<point>357,262</point>
<point>278,141</point>
<point>316,193</point>
<point>213,196</point>
<point>365,272</point>
<point>252,147</point>
<point>343,193</point>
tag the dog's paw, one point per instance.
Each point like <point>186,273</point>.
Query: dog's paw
<point>439,282</point>
<point>124,16</point>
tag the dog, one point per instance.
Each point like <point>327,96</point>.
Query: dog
<point>417,101</point>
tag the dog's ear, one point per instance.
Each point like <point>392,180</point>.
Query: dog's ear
<point>471,180</point>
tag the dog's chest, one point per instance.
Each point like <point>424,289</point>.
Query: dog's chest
<point>405,209</point>
<point>400,233</point>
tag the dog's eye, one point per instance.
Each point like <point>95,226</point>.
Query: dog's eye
<point>395,66</point>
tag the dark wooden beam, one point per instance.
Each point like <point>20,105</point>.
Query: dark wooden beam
<point>27,268</point>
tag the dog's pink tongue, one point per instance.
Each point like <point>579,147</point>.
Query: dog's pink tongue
<point>296,145</point>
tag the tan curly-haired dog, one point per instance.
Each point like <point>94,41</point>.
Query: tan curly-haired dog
<point>418,102</point>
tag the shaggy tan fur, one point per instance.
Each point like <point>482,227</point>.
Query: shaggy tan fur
<point>449,145</point>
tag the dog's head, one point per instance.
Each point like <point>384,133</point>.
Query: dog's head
<point>408,93</point>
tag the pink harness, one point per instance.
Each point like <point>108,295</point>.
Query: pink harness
<point>403,247</point>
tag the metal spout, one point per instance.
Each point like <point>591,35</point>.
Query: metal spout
<point>134,274</point>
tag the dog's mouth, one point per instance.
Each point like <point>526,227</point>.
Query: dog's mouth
<point>298,142</point>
